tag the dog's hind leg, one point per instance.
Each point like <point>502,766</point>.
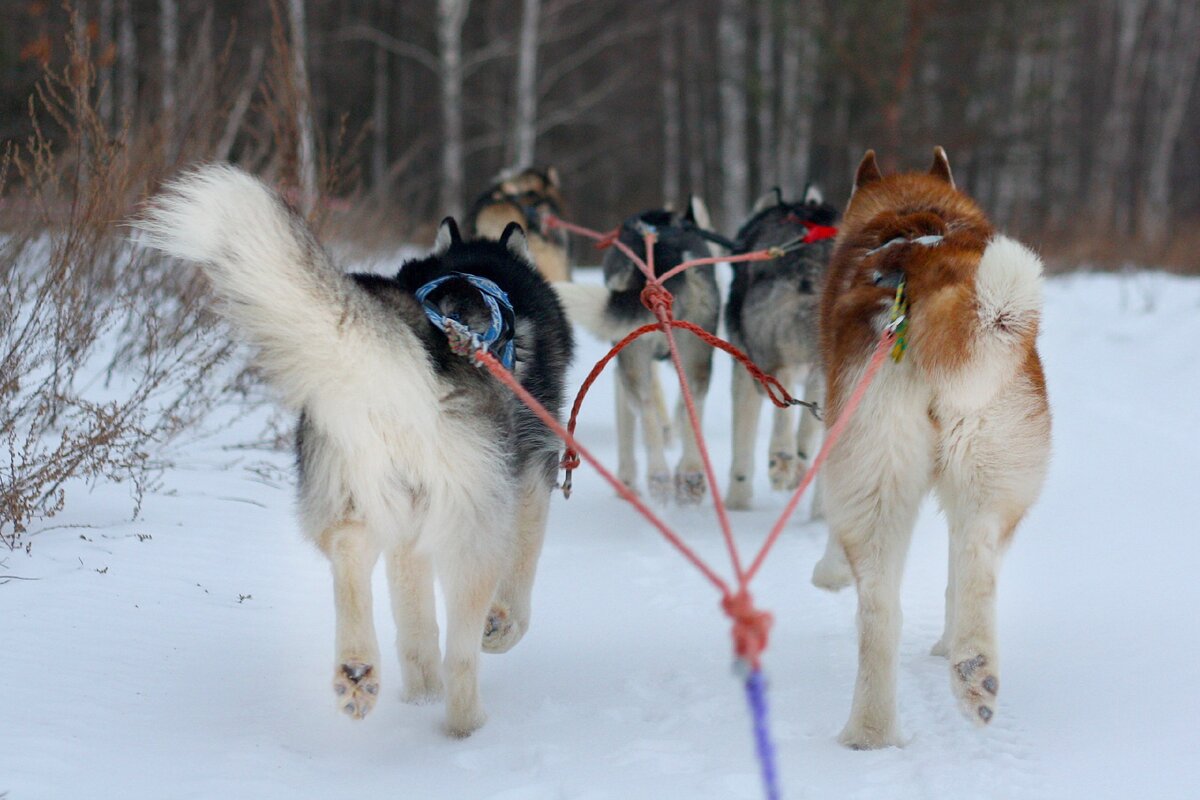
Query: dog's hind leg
<point>832,572</point>
<point>627,470</point>
<point>781,462</point>
<point>636,367</point>
<point>353,550</point>
<point>976,546</point>
<point>747,404</point>
<point>808,436</point>
<point>469,584</point>
<point>697,366</point>
<point>410,579</point>
<point>876,553</point>
<point>875,489</point>
<point>508,619</point>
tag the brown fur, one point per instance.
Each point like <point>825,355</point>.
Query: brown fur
<point>505,202</point>
<point>964,414</point>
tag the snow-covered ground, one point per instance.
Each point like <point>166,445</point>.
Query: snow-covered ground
<point>188,654</point>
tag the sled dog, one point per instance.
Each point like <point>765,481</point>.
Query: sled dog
<point>964,412</point>
<point>525,197</point>
<point>404,449</point>
<point>613,310</point>
<point>771,315</point>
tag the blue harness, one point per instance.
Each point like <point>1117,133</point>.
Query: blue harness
<point>497,339</point>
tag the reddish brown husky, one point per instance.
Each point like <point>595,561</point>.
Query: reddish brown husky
<point>963,412</point>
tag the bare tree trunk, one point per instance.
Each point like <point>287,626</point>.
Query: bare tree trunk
<point>524,140</point>
<point>1064,157</point>
<point>307,157</point>
<point>233,123</point>
<point>169,44</point>
<point>451,15</point>
<point>798,77</point>
<point>126,63</point>
<point>1014,182</point>
<point>672,110</point>
<point>767,150</point>
<point>1117,130</point>
<point>693,110</point>
<point>379,121</point>
<point>1183,54</point>
<point>731,71</point>
<point>104,102</point>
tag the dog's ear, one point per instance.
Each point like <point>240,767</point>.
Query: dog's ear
<point>447,237</point>
<point>553,177</point>
<point>768,200</point>
<point>697,212</point>
<point>868,171</point>
<point>941,166</point>
<point>813,195</point>
<point>514,239</point>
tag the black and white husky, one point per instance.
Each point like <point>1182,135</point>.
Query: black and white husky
<point>613,310</point>
<point>404,449</point>
<point>772,316</point>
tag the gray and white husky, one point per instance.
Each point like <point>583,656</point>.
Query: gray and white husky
<point>613,310</point>
<point>772,315</point>
<point>404,449</point>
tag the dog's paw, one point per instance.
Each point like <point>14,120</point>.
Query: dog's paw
<point>422,682</point>
<point>690,487</point>
<point>739,495</point>
<point>781,469</point>
<point>832,574</point>
<point>502,630</point>
<point>859,735</point>
<point>356,686</point>
<point>462,721</point>
<point>660,487</point>
<point>975,684</point>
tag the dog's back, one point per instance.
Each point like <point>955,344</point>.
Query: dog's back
<point>525,198</point>
<point>772,307</point>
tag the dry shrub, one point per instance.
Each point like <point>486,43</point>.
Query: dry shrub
<point>106,355</point>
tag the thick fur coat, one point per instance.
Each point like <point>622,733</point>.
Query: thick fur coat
<point>405,450</point>
<point>771,315</point>
<point>526,197</point>
<point>613,310</point>
<point>964,413</point>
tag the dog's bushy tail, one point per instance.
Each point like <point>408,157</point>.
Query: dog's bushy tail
<point>275,282</point>
<point>586,306</point>
<point>980,339</point>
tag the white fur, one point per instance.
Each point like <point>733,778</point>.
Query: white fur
<point>1008,293</point>
<point>980,438</point>
<point>393,472</point>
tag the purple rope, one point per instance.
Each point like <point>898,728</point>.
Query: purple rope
<point>756,695</point>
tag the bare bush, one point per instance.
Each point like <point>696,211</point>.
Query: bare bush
<point>106,355</point>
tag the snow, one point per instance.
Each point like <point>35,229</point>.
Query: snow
<point>188,653</point>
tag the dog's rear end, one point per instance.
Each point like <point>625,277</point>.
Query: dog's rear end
<point>964,412</point>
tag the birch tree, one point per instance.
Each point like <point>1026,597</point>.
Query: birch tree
<point>126,63</point>
<point>731,54</point>
<point>524,138</point>
<point>168,12</point>
<point>671,109</point>
<point>1177,78</point>
<point>451,16</point>
<point>306,141</point>
<point>1117,130</point>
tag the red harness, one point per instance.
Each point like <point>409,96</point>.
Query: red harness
<point>815,233</point>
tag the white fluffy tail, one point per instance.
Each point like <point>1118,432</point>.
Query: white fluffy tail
<point>276,284</point>
<point>1008,304</point>
<point>586,306</point>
